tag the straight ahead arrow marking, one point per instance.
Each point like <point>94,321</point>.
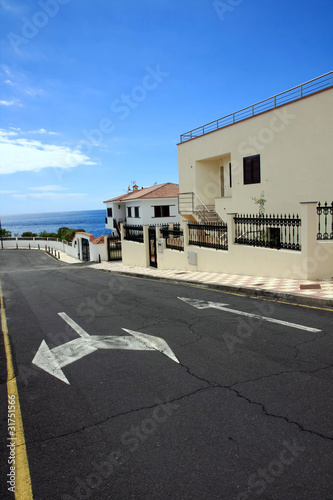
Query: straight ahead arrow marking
<point>201,304</point>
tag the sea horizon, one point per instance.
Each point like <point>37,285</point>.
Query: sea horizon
<point>92,221</point>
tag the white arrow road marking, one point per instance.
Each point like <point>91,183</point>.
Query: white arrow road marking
<point>201,304</point>
<point>53,360</point>
<point>75,326</point>
<point>154,343</point>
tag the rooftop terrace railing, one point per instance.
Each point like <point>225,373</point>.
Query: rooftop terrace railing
<point>305,89</point>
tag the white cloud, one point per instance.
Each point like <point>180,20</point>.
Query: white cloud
<point>24,155</point>
<point>9,82</point>
<point>7,192</point>
<point>42,131</point>
<point>7,133</point>
<point>13,102</point>
<point>48,188</point>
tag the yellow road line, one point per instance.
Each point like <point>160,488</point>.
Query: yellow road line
<point>293,304</point>
<point>23,490</point>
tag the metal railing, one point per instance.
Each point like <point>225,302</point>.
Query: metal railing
<point>133,233</point>
<point>325,210</point>
<point>268,231</point>
<point>174,238</point>
<point>191,203</point>
<point>305,89</point>
<point>209,235</point>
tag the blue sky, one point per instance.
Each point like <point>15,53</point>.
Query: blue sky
<point>94,94</point>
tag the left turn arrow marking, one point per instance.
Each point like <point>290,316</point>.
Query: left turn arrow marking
<point>53,360</point>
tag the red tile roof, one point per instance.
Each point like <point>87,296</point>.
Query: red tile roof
<point>96,241</point>
<point>167,190</point>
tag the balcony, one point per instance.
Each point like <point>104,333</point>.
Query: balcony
<point>300,92</point>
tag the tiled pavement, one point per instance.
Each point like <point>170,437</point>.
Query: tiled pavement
<point>302,291</point>
<point>316,292</point>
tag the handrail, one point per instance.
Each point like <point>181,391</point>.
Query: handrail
<point>194,203</point>
<point>250,111</point>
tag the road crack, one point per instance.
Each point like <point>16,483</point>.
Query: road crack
<point>117,415</point>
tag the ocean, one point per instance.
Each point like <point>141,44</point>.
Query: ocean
<point>92,221</point>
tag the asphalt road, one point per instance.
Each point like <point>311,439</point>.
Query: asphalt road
<point>243,410</point>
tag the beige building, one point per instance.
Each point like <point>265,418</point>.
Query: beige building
<point>282,146</point>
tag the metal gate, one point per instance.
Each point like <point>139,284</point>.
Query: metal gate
<point>85,250</point>
<point>114,249</point>
<point>152,247</point>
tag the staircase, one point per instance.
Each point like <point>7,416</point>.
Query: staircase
<point>117,227</point>
<point>194,210</point>
<point>206,214</point>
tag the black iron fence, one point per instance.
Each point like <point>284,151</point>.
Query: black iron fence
<point>269,231</point>
<point>209,235</point>
<point>134,233</point>
<point>324,211</point>
<point>174,238</point>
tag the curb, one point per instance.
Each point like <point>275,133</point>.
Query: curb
<point>265,294</point>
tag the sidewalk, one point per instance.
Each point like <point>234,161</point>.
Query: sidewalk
<point>317,293</point>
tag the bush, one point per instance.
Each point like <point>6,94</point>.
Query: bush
<point>5,234</point>
<point>29,234</point>
<point>44,234</point>
<point>68,234</point>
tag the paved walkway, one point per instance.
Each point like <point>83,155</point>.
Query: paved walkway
<point>316,292</point>
<point>301,291</point>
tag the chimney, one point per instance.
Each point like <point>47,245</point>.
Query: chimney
<point>135,187</point>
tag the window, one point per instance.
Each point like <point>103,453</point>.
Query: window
<point>109,212</point>
<point>162,211</point>
<point>136,212</point>
<point>251,166</point>
<point>129,211</point>
<point>230,177</point>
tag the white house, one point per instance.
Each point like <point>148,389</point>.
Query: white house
<point>150,205</point>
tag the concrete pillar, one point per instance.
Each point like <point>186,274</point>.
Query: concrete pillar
<point>308,214</point>
<point>231,229</point>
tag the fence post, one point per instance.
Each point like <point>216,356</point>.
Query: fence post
<point>231,229</point>
<point>309,237</point>
<point>146,244</point>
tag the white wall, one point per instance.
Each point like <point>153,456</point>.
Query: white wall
<point>146,211</point>
<point>74,250</point>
